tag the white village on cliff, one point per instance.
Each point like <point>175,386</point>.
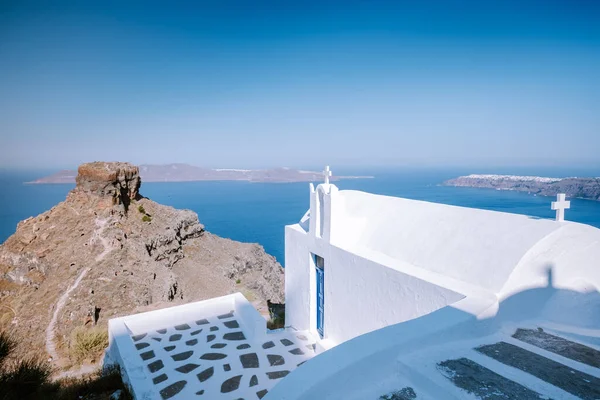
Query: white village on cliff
<point>390,298</point>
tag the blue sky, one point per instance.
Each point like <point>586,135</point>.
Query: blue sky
<point>258,84</point>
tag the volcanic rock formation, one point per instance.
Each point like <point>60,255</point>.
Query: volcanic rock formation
<point>115,252</point>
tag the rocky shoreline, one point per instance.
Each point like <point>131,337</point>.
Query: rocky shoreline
<point>583,188</point>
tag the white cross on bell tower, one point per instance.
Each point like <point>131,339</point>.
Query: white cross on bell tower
<point>327,174</point>
<point>560,205</point>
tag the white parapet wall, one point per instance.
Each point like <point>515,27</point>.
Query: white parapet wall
<point>218,348</point>
<point>121,348</point>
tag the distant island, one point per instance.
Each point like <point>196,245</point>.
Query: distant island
<point>584,188</point>
<point>190,173</point>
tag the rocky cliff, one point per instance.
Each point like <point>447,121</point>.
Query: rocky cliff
<point>108,251</point>
<point>584,188</point>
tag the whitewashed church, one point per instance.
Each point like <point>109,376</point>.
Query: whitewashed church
<point>390,298</point>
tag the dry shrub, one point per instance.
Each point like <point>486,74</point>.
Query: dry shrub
<point>30,379</point>
<point>88,343</point>
<point>277,313</point>
<point>6,345</point>
<point>99,385</point>
<point>25,379</point>
<point>21,379</point>
<point>276,322</point>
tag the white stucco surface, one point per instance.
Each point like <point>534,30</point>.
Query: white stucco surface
<point>360,295</point>
<point>390,259</point>
<point>408,354</point>
<point>477,246</point>
<point>219,348</point>
<point>409,284</point>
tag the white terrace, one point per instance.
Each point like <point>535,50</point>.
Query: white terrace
<point>213,349</point>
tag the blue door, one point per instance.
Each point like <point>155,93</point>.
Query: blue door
<point>320,299</point>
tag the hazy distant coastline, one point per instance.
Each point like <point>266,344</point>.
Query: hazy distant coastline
<point>584,188</point>
<point>190,173</point>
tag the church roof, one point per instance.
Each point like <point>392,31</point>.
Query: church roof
<point>483,248</point>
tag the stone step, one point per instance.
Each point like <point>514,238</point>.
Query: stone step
<point>558,345</point>
<point>483,382</point>
<point>578,383</point>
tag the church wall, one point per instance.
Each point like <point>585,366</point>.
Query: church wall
<point>360,295</point>
<point>297,279</point>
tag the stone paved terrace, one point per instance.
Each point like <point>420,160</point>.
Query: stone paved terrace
<point>206,350</point>
<point>526,360</point>
<point>530,364</point>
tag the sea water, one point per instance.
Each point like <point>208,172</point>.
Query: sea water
<point>258,212</point>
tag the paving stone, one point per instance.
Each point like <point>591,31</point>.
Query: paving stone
<point>138,337</point>
<point>484,383</point>
<point>578,383</point>
<point>277,374</point>
<point>234,336</point>
<point>206,374</point>
<point>231,324</point>
<point>249,360</point>
<point>187,368</point>
<point>169,376</point>
<point>182,356</point>
<point>160,378</point>
<point>231,384</point>
<point>173,389</point>
<point>213,356</point>
<point>147,355</point>
<point>253,381</point>
<point>275,359</point>
<point>228,315</point>
<point>555,344</point>
<point>156,366</point>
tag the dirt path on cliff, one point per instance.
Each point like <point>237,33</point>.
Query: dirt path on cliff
<point>100,227</point>
<point>50,342</point>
